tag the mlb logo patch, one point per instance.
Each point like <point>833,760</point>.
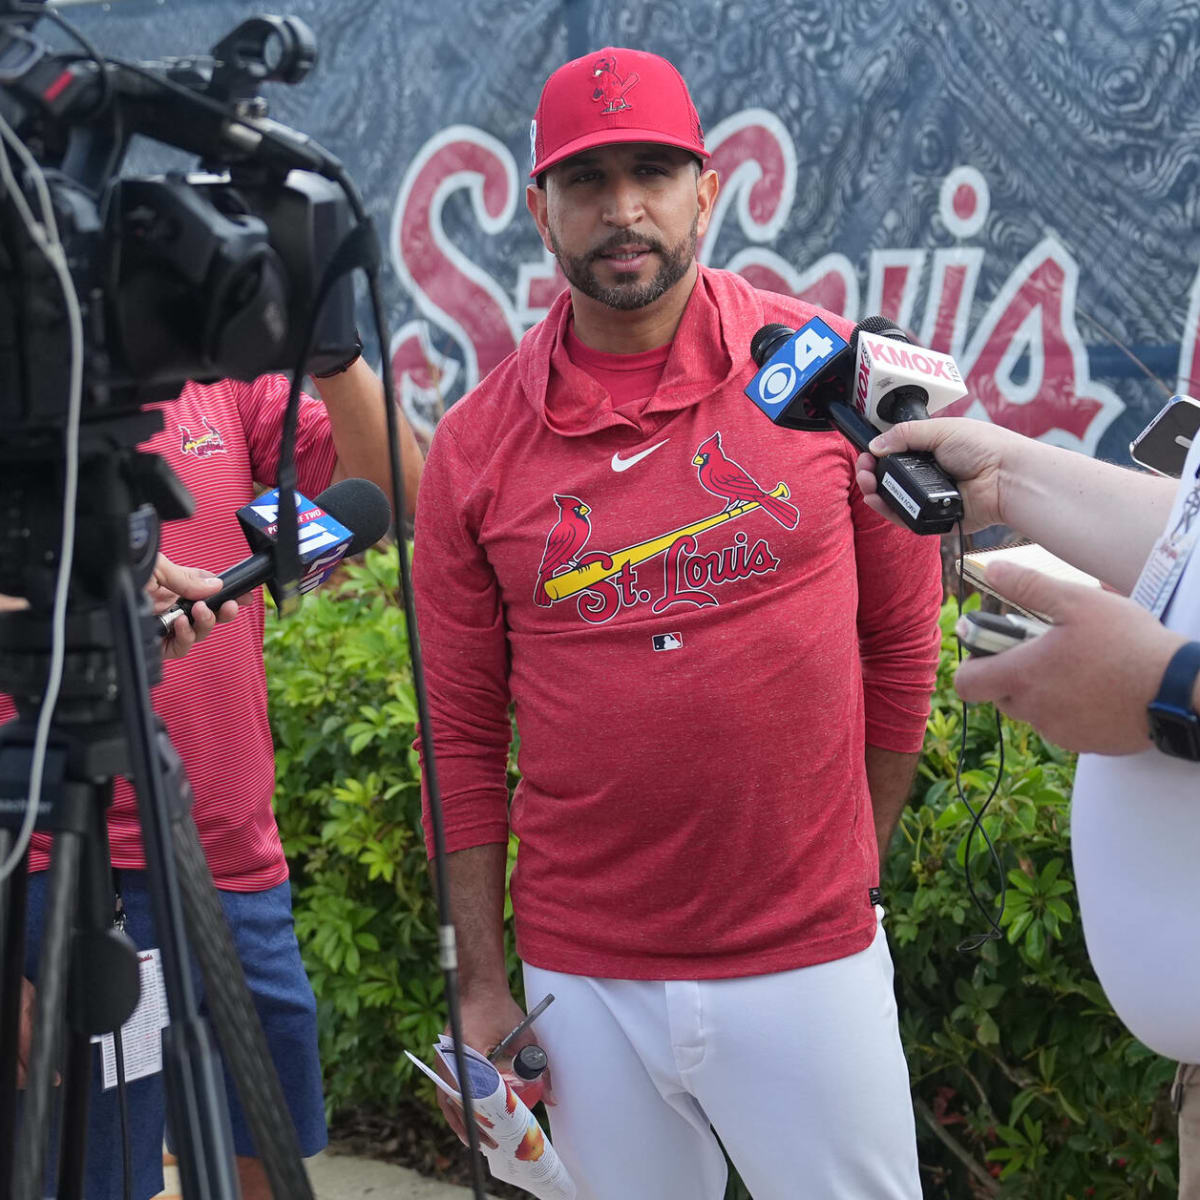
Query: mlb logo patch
<point>667,641</point>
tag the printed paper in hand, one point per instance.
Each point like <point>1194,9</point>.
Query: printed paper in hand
<point>522,1155</point>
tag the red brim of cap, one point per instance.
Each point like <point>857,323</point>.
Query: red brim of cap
<point>612,137</point>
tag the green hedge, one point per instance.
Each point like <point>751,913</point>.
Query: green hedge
<point>1025,1082</point>
<point>348,800</point>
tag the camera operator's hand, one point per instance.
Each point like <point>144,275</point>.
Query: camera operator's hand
<point>169,583</point>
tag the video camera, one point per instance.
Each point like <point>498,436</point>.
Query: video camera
<point>179,276</point>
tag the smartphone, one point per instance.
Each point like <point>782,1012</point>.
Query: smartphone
<point>985,633</point>
<point>1163,445</point>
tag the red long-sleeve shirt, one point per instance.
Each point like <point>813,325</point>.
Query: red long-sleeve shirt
<point>694,679</point>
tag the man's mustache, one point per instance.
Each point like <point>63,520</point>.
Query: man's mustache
<point>612,244</point>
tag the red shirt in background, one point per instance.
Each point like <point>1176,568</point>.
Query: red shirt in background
<point>221,439</point>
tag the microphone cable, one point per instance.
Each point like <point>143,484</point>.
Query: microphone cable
<point>447,940</point>
<point>993,933</point>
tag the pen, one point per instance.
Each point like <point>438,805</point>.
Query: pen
<point>506,1041</point>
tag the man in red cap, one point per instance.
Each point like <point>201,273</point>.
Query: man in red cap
<point>721,662</point>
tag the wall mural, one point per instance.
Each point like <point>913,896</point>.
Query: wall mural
<point>1016,183</point>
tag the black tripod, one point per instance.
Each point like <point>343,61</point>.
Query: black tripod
<point>88,972</point>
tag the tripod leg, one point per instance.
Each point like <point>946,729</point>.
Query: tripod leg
<point>102,990</point>
<point>48,1017</point>
<point>72,1156</point>
<point>236,1021</point>
<point>196,1103</point>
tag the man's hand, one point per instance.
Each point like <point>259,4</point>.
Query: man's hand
<point>1085,683</point>
<point>486,1019</point>
<point>973,452</point>
<point>167,584</point>
<point>25,1030</point>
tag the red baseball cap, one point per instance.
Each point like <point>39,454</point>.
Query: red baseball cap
<point>612,95</point>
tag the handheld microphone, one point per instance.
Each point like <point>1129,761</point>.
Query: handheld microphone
<point>812,378</point>
<point>346,518</point>
<point>896,381</point>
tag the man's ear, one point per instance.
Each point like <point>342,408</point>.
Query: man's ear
<point>707,187</point>
<point>536,202</point>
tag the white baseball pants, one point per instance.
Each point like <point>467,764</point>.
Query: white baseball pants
<point>800,1073</point>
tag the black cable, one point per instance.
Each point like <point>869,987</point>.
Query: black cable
<point>123,1105</point>
<point>447,947</point>
<point>359,249</point>
<point>994,933</point>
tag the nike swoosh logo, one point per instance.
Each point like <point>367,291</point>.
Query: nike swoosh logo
<point>623,464</point>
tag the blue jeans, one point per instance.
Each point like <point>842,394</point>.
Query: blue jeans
<point>265,938</point>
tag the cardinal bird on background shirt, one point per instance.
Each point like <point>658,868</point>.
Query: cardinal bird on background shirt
<point>563,543</point>
<point>723,477</point>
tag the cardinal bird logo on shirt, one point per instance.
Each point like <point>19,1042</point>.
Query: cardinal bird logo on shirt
<point>610,87</point>
<point>564,543</point>
<point>730,482</point>
<point>668,568</point>
<point>204,445</point>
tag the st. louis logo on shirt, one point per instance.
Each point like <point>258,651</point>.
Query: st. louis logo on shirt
<point>203,444</point>
<point>603,583</point>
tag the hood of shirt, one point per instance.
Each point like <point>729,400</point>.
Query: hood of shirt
<point>710,348</point>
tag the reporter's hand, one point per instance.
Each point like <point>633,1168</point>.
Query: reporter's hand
<point>973,452</point>
<point>1085,683</point>
<point>168,584</point>
<point>25,1033</point>
<point>486,1019</point>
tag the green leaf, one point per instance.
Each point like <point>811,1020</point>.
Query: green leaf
<point>1022,881</point>
<point>1019,925</point>
<point>1050,873</point>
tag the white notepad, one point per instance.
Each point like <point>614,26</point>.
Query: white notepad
<point>1024,554</point>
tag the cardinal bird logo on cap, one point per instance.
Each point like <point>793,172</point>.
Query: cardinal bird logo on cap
<point>726,479</point>
<point>610,87</point>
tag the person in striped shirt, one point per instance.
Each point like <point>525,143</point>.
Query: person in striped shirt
<point>222,439</point>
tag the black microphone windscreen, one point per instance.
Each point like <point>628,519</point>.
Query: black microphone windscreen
<point>362,507</point>
<point>767,340</point>
<point>881,326</point>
